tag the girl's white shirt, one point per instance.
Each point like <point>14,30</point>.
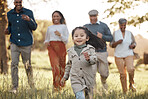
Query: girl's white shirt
<point>123,50</point>
<point>50,35</point>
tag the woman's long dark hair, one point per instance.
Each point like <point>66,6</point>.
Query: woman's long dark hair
<point>96,42</point>
<point>62,21</point>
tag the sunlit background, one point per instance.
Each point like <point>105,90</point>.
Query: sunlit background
<point>76,12</point>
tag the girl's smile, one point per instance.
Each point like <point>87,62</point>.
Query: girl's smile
<point>80,37</point>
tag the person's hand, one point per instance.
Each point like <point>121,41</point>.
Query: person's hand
<point>99,35</point>
<point>25,17</point>
<point>47,44</point>
<point>57,33</point>
<point>132,46</point>
<point>62,81</point>
<point>120,41</point>
<point>86,56</point>
<point>6,31</point>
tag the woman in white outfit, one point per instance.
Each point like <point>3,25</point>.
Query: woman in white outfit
<point>124,43</point>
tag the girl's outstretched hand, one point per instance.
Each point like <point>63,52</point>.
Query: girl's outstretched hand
<point>63,81</point>
<point>86,56</point>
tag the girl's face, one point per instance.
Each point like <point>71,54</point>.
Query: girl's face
<point>122,27</point>
<point>80,37</point>
<point>56,18</point>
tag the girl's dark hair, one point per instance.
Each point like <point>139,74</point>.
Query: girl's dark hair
<point>93,39</point>
<point>62,21</point>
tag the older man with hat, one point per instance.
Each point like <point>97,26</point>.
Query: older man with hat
<point>102,31</point>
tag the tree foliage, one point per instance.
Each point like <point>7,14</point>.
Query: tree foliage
<point>119,6</point>
<point>39,34</point>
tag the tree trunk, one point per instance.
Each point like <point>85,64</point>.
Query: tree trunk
<point>145,57</point>
<point>3,51</point>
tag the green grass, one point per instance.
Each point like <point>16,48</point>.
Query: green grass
<point>43,82</point>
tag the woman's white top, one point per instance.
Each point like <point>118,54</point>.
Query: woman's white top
<point>50,35</point>
<point>123,50</point>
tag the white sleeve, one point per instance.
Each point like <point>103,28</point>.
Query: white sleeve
<point>65,35</point>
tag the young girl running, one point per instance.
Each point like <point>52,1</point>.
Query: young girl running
<point>81,57</point>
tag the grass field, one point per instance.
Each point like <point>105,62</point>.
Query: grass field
<point>43,82</point>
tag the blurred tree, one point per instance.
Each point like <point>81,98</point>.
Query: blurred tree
<point>3,51</point>
<point>39,34</point>
<point>70,42</point>
<point>120,6</point>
